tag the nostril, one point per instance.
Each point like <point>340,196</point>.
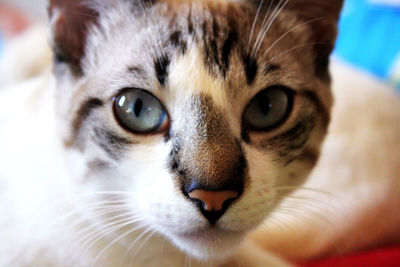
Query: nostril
<point>213,201</point>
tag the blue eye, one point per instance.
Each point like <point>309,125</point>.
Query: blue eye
<point>268,109</point>
<point>140,112</point>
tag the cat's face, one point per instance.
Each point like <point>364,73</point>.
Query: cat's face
<point>204,113</point>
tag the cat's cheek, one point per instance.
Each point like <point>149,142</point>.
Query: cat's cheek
<point>155,195</point>
<point>156,198</point>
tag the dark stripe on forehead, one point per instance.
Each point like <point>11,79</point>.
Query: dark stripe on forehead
<point>113,144</point>
<point>190,23</point>
<point>161,66</point>
<point>218,45</point>
<point>226,51</point>
<point>210,45</point>
<point>82,114</point>
<point>177,42</point>
<point>251,68</point>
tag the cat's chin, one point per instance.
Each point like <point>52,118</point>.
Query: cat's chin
<point>210,244</point>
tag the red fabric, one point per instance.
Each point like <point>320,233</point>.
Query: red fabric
<point>389,257</point>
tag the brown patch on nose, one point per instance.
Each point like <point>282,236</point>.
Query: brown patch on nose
<point>207,155</point>
<point>213,201</point>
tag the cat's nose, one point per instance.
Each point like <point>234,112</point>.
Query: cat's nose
<point>213,204</point>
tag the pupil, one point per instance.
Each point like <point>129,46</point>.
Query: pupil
<point>138,107</point>
<point>264,104</point>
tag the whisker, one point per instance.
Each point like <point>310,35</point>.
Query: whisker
<point>88,194</point>
<point>294,48</point>
<point>274,219</point>
<point>296,212</point>
<point>133,243</point>
<point>289,31</point>
<point>70,11</point>
<point>316,219</point>
<point>280,188</point>
<point>90,217</point>
<point>94,236</point>
<point>272,20</point>
<point>97,258</point>
<point>188,261</point>
<point>299,204</point>
<point>143,243</point>
<point>95,206</point>
<point>266,19</point>
<point>254,24</point>
<point>107,221</point>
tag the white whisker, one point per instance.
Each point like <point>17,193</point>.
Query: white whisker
<point>106,222</point>
<point>278,10</point>
<point>262,27</point>
<point>143,243</point>
<point>290,188</point>
<point>85,208</point>
<point>133,243</point>
<point>286,33</point>
<point>292,49</point>
<point>254,24</point>
<point>97,258</point>
<point>93,237</point>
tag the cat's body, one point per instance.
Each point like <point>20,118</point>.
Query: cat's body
<point>79,188</point>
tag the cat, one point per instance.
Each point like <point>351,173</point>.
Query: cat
<point>169,131</point>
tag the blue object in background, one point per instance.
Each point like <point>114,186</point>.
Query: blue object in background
<point>370,38</point>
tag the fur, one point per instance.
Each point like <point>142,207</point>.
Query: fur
<point>81,191</point>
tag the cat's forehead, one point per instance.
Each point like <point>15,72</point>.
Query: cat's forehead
<point>256,31</point>
<point>215,43</point>
<point>230,49</point>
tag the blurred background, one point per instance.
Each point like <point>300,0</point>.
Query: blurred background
<point>369,33</point>
<point>369,37</point>
<point>33,8</point>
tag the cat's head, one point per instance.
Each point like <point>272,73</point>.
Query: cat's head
<point>204,113</point>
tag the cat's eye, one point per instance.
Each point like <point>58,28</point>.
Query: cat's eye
<point>268,109</point>
<point>140,112</point>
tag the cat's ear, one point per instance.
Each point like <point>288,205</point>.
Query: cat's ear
<point>306,9</point>
<point>70,21</point>
<point>322,17</point>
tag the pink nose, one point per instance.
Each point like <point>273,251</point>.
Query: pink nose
<point>213,201</point>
